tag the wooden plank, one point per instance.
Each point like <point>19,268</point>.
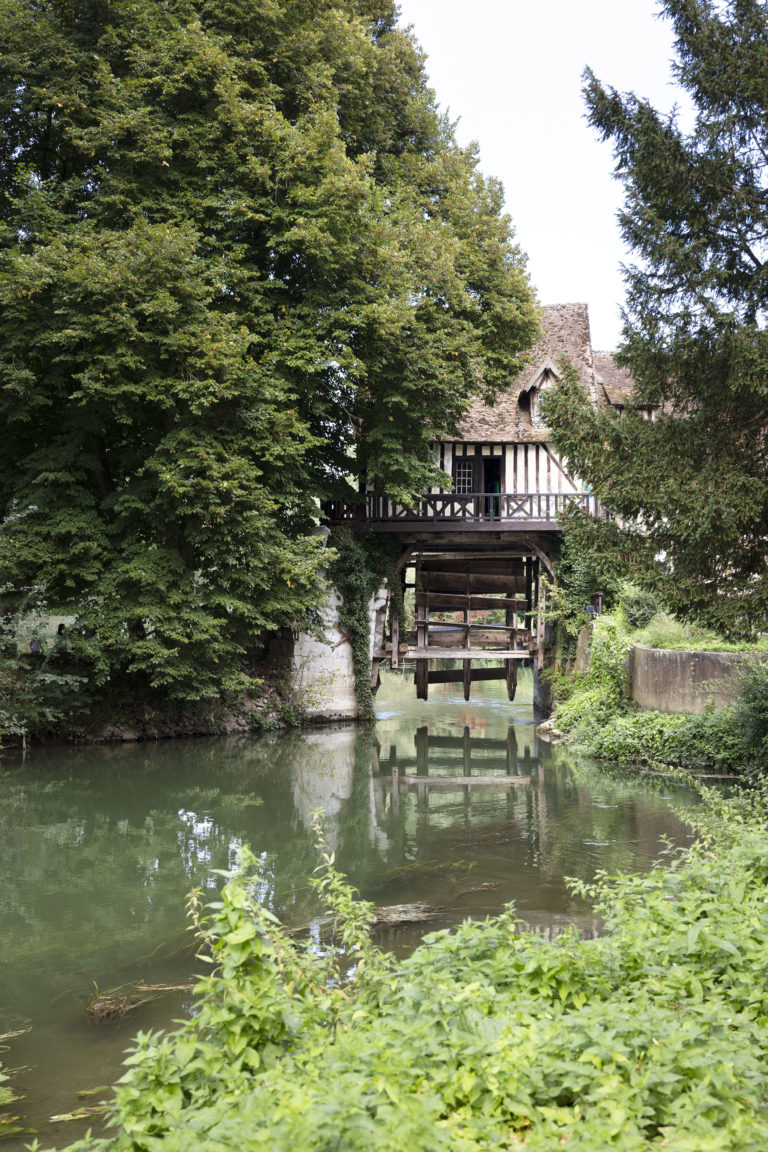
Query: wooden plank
<point>511,680</point>
<point>421,740</point>
<point>479,743</point>
<point>419,654</point>
<point>438,782</point>
<point>422,626</point>
<point>480,637</point>
<point>456,675</point>
<point>491,565</point>
<point>476,602</point>
<point>422,683</point>
<point>455,583</point>
<point>395,637</point>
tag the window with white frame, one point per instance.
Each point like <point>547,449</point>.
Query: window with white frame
<point>463,470</point>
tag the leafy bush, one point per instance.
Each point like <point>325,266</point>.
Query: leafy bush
<point>601,692</point>
<point>752,714</point>
<point>581,571</point>
<point>639,606</point>
<point>489,1037</point>
<point>712,739</point>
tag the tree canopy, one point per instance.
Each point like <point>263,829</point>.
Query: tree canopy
<point>242,257</point>
<point>691,486</point>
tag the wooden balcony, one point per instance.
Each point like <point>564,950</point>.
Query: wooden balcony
<point>477,511</point>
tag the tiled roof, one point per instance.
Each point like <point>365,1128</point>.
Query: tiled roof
<point>564,336</point>
<point>617,382</point>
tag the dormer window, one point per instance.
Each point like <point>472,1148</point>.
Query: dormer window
<point>528,401</point>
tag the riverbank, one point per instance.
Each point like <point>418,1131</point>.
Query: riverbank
<point>274,703</point>
<point>99,846</point>
<point>655,1034</point>
<point>596,715</point>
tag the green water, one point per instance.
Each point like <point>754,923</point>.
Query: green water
<point>99,846</point>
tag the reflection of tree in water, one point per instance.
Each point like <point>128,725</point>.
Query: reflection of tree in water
<point>98,846</point>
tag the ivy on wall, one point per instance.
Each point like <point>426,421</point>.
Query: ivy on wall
<point>362,563</point>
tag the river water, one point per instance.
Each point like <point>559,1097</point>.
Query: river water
<point>100,845</point>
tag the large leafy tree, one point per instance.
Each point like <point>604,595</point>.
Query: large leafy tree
<point>242,257</point>
<point>691,487</point>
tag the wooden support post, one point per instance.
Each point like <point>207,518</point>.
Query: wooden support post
<point>540,626</point>
<point>467,752</point>
<point>467,679</point>
<point>511,752</point>
<point>422,680</point>
<point>528,593</point>
<point>511,678</point>
<point>422,751</point>
<point>395,658</point>
<point>422,626</point>
<point>395,791</point>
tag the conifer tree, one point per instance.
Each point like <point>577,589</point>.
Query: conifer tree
<point>691,487</point>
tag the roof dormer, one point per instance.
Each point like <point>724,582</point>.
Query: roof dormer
<point>528,400</point>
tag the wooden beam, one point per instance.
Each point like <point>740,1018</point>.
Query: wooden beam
<point>456,675</point>
<point>395,637</point>
<point>438,782</point>
<point>511,679</point>
<point>490,564</point>
<point>475,601</point>
<point>422,683</point>
<point>479,582</point>
<point>425,654</point>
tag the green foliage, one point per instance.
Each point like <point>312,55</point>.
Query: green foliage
<point>363,563</point>
<point>691,484</point>
<point>487,1037</point>
<point>581,571</point>
<point>638,605</point>
<point>664,630</point>
<point>242,256</point>
<point>752,715</point>
<point>600,694</point>
<point>8,1122</point>
<point>598,719</point>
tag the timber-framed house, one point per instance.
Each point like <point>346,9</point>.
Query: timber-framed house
<point>483,544</point>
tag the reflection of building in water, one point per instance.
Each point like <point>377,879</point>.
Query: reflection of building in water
<point>324,775</point>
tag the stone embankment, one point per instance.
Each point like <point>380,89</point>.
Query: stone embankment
<point>673,680</point>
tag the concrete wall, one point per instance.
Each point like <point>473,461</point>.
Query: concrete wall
<point>664,680</point>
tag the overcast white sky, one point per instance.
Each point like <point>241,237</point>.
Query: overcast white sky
<point>510,72</point>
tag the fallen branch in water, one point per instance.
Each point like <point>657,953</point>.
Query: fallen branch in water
<point>386,916</point>
<point>103,1007</point>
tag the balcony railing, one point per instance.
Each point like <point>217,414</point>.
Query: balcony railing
<point>505,507</point>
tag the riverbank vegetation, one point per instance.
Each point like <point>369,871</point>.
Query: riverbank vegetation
<point>598,718</point>
<point>251,267</point>
<point>655,1035</point>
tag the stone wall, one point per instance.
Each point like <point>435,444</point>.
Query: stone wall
<point>320,670</point>
<point>665,680</point>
